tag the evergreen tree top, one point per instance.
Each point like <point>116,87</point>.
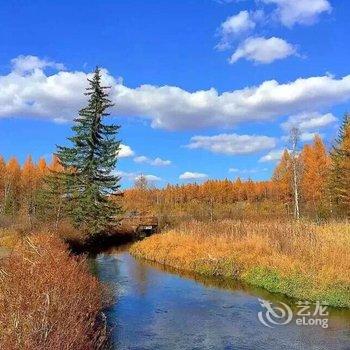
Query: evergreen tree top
<point>91,159</point>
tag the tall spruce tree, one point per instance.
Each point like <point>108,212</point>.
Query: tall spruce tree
<point>340,169</point>
<point>90,161</point>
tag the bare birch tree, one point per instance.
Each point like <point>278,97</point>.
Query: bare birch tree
<point>294,140</point>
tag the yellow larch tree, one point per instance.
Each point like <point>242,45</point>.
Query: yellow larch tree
<point>12,186</point>
<point>315,172</point>
<point>282,177</point>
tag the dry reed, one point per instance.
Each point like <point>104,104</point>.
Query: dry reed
<point>48,299</point>
<point>302,260</point>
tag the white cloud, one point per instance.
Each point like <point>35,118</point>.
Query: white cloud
<point>233,27</point>
<point>125,175</point>
<point>160,162</point>
<point>125,151</point>
<point>262,50</point>
<point>155,162</point>
<point>24,64</point>
<point>188,175</point>
<point>308,120</point>
<point>247,171</point>
<point>132,176</point>
<point>232,144</point>
<point>60,95</point>
<point>141,159</point>
<point>60,120</point>
<point>150,178</point>
<point>290,12</point>
<point>309,136</point>
<point>272,156</point>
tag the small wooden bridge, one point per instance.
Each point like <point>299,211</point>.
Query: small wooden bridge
<point>139,225</point>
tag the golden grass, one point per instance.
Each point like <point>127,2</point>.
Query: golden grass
<point>302,260</point>
<point>48,299</point>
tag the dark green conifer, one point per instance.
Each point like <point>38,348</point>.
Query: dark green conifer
<point>90,161</point>
<point>340,170</point>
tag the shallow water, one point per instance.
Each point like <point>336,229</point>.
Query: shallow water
<point>163,309</point>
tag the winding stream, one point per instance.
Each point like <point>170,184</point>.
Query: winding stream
<point>163,309</point>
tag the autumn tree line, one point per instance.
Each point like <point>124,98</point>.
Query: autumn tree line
<point>22,187</point>
<point>322,178</point>
<point>31,191</point>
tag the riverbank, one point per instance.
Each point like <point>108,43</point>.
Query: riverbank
<point>48,298</point>
<point>158,307</point>
<point>304,261</point>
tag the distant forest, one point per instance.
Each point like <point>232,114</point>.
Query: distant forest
<point>323,179</point>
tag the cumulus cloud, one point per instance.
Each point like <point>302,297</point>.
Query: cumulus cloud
<point>160,162</point>
<point>149,178</point>
<point>309,136</point>
<point>132,176</point>
<point>306,12</point>
<point>247,171</point>
<point>233,27</point>
<point>262,50</point>
<point>23,64</point>
<point>60,95</point>
<point>125,151</point>
<point>155,162</point>
<point>272,156</point>
<point>141,159</point>
<point>308,123</point>
<point>188,175</point>
<point>232,144</point>
<point>308,120</point>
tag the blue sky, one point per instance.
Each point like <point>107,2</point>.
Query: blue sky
<point>203,89</point>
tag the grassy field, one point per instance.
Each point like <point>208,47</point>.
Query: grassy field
<point>304,260</point>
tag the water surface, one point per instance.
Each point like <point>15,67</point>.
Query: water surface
<point>161,309</point>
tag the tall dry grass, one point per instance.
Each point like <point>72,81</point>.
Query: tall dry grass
<point>48,299</point>
<point>303,260</point>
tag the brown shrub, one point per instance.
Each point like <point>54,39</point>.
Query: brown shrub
<point>48,299</point>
